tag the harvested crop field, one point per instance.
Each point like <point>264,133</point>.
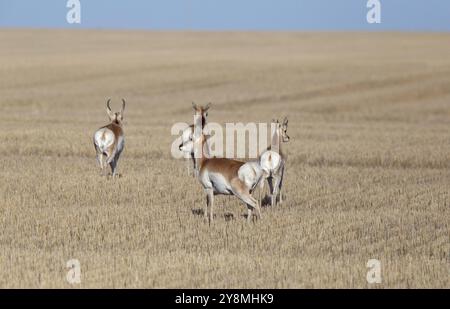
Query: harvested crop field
<point>367,174</point>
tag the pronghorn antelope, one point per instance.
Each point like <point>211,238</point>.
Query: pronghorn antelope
<point>273,161</point>
<point>270,162</point>
<point>188,133</point>
<point>221,175</point>
<point>109,140</point>
<point>225,176</point>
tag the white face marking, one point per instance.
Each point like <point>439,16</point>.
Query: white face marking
<point>187,135</point>
<point>187,147</point>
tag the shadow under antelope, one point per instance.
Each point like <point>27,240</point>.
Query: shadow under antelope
<point>109,140</point>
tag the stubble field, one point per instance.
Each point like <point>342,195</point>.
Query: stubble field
<point>368,171</point>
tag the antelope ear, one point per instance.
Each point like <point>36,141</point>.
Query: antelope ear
<point>194,106</point>
<point>207,107</point>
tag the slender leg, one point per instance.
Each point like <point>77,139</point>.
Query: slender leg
<point>106,162</point>
<point>274,193</point>
<point>100,161</point>
<point>258,208</point>
<point>205,213</point>
<point>260,195</point>
<point>113,168</point>
<point>276,188</point>
<point>250,207</point>
<point>251,203</point>
<point>194,165</point>
<point>249,213</point>
<point>112,160</point>
<point>262,183</point>
<point>100,158</point>
<point>270,181</point>
<point>209,201</point>
<point>281,183</point>
<point>211,211</point>
<point>243,193</point>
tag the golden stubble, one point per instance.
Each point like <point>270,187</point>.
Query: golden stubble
<point>367,174</point>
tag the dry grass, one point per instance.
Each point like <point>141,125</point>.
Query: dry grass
<point>367,177</point>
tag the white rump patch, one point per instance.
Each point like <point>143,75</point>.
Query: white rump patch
<point>250,173</point>
<point>104,138</point>
<point>270,161</point>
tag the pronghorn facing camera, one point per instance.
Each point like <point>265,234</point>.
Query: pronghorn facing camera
<point>109,140</point>
<point>188,133</point>
<point>224,176</point>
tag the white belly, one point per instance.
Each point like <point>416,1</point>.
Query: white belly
<point>215,181</point>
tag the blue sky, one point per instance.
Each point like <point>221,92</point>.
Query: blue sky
<point>399,15</point>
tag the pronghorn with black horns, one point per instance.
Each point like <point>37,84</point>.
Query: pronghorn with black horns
<point>223,176</point>
<point>188,133</point>
<point>109,140</point>
<point>273,161</point>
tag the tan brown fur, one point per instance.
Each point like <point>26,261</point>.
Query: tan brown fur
<point>227,167</point>
<point>229,170</point>
<point>117,130</point>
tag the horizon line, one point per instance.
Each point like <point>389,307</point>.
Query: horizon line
<point>259,30</point>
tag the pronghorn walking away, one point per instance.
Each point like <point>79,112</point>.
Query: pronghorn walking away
<point>109,140</point>
<point>273,162</point>
<point>188,133</point>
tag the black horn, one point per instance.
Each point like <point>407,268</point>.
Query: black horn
<point>123,105</point>
<point>107,104</point>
